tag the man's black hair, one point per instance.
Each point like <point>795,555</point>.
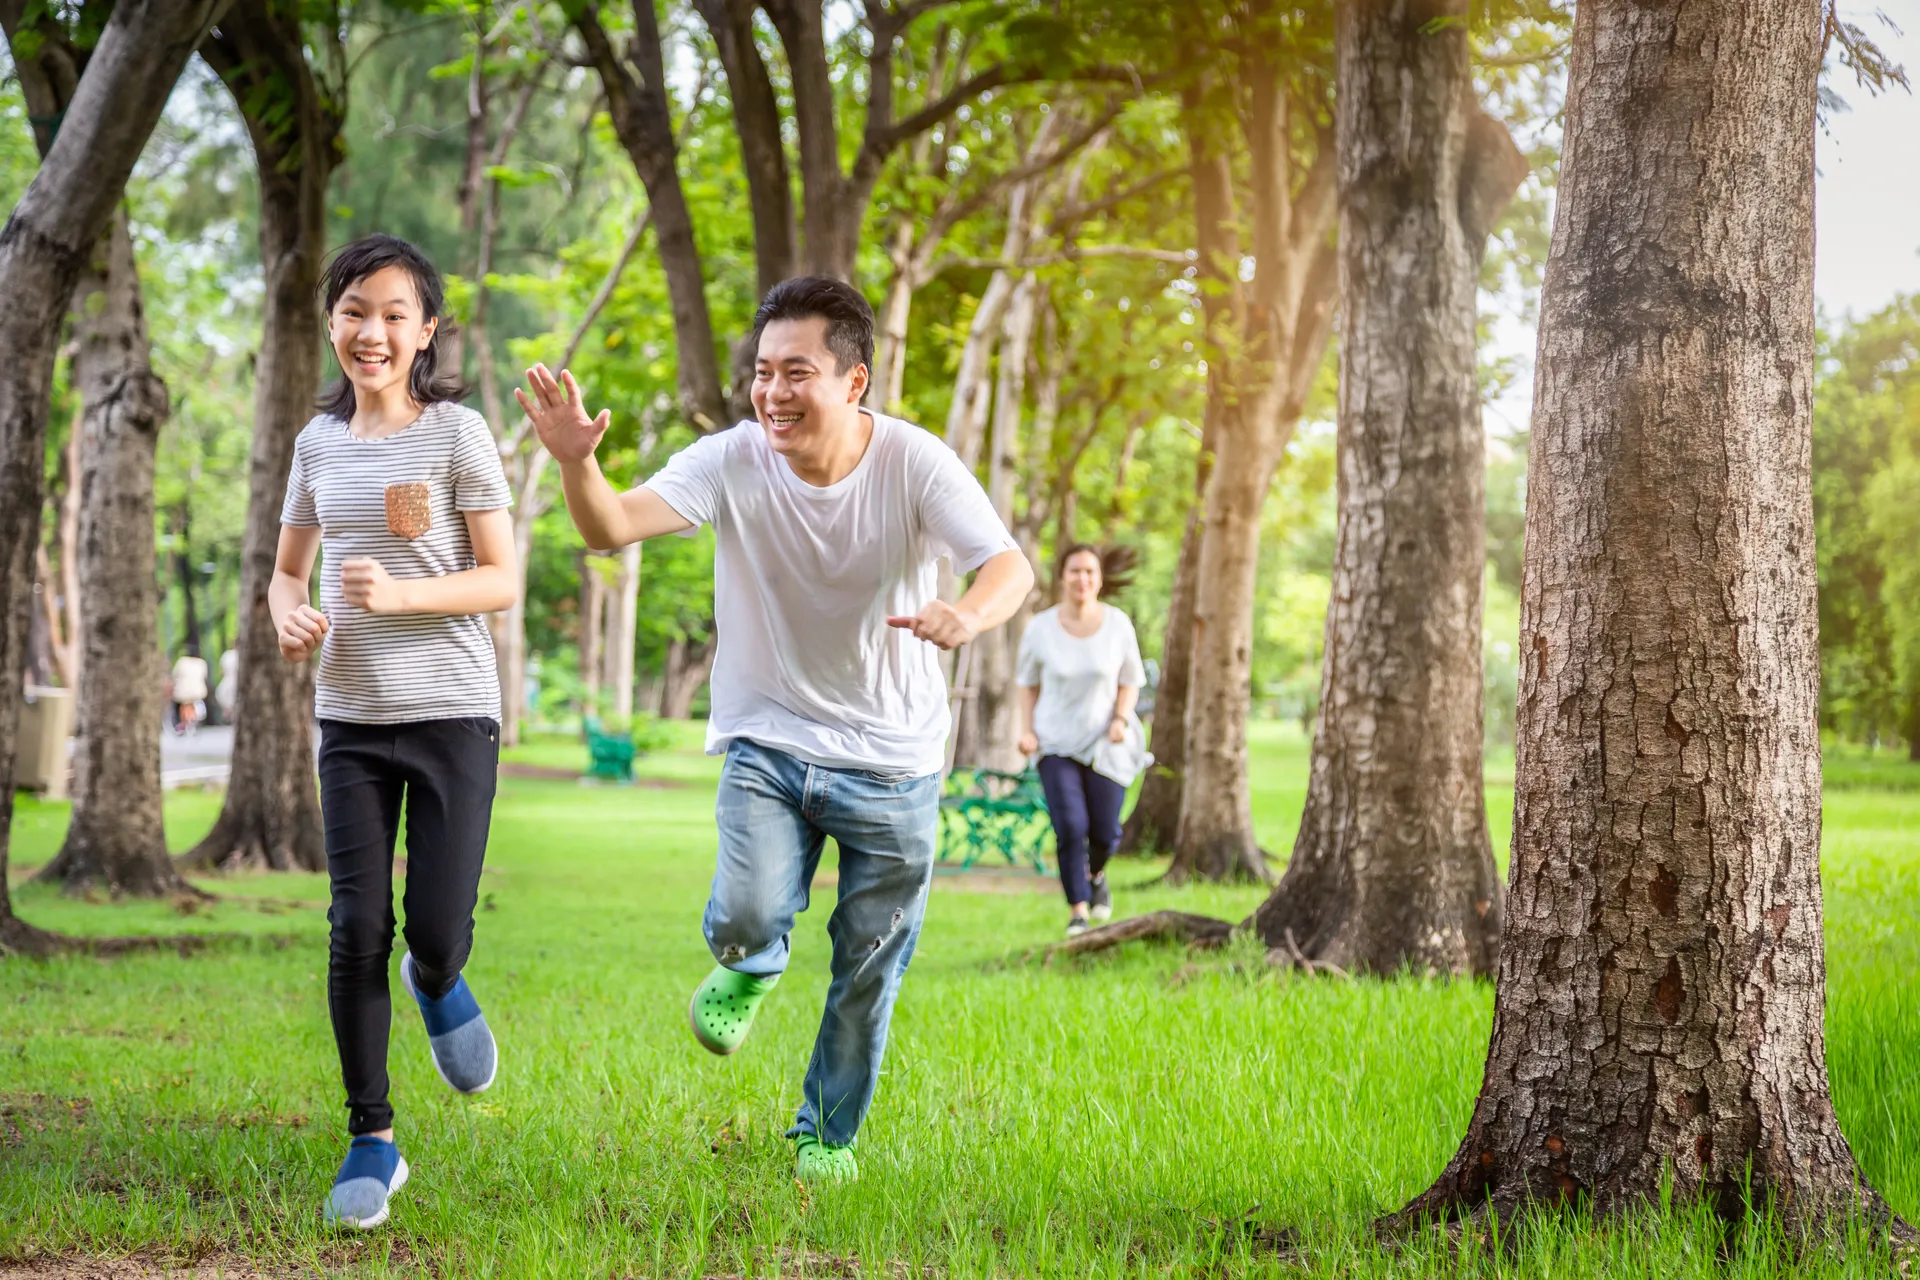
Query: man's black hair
<point>849,318</point>
<point>355,262</point>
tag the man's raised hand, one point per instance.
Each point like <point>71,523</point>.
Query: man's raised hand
<point>940,624</point>
<point>559,417</point>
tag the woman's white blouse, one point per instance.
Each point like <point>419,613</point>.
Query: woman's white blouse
<point>1079,679</point>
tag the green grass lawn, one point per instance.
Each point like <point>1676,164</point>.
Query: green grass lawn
<point>1139,1114</point>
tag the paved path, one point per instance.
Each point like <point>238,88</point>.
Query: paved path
<point>201,758</point>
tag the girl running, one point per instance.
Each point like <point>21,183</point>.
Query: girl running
<point>402,489</point>
<point>1080,675</point>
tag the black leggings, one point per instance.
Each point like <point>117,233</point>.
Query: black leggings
<point>446,770</point>
<point>1085,809</point>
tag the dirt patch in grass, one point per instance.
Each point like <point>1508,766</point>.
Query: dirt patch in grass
<point>71,1268</point>
<point>24,1113</point>
<point>334,1261</point>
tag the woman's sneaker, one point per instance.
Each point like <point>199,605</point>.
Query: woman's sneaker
<point>1102,903</point>
<point>1076,925</point>
<point>368,1177</point>
<point>463,1050</point>
<point>721,1011</point>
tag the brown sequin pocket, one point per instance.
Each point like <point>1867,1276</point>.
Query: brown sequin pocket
<point>409,508</point>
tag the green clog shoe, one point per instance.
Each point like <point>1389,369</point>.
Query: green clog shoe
<point>722,1010</point>
<point>817,1161</point>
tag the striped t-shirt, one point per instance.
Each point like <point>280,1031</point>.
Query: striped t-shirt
<point>398,500</point>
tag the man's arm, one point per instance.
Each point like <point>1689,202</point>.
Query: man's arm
<point>605,517</point>
<point>997,590</point>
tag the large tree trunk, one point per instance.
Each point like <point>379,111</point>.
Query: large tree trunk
<point>1393,868</point>
<point>1662,976</point>
<point>43,250</point>
<point>115,841</point>
<point>271,817</point>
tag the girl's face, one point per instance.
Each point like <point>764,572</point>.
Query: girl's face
<point>377,328</point>
<point>1080,577</point>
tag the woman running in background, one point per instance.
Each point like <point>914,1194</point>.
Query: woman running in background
<point>1080,675</point>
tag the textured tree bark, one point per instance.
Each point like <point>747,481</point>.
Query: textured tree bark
<point>115,841</point>
<point>1393,868</point>
<point>1662,975</point>
<point>1266,336</point>
<point>43,250</point>
<point>271,815</point>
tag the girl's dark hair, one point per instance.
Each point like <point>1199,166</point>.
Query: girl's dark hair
<point>356,262</point>
<point>1116,565</point>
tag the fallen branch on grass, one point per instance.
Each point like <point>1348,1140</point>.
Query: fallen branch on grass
<point>1204,932</point>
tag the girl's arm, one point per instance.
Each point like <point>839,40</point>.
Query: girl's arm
<point>491,584</point>
<point>301,627</point>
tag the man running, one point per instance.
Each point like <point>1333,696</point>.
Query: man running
<point>827,696</point>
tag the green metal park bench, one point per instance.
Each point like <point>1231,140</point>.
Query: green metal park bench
<point>609,756</point>
<point>987,811</point>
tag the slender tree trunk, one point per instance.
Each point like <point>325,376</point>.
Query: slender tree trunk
<point>643,121</point>
<point>1215,837</point>
<point>990,722</point>
<point>43,250</point>
<point>271,816</point>
<point>1662,978</point>
<point>1392,867</point>
<point>68,541</point>
<point>115,841</point>
<point>593,605</point>
<point>1267,335</point>
<point>1155,819</point>
<point>896,313</point>
<point>622,624</point>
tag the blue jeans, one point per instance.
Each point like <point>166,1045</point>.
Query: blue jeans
<point>775,813</point>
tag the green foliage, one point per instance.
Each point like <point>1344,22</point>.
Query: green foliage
<point>1866,440</point>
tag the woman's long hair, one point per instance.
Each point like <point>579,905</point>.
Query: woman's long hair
<point>1116,566</point>
<point>356,261</point>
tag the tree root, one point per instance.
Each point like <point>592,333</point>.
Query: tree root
<point>1290,956</point>
<point>1204,932</point>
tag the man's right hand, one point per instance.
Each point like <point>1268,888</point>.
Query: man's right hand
<point>1028,743</point>
<point>558,416</point>
<point>302,633</point>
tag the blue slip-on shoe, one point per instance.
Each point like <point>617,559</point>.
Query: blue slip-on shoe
<point>463,1048</point>
<point>368,1177</point>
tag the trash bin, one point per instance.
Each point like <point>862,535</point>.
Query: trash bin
<point>44,759</point>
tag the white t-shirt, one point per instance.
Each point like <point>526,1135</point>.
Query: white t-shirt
<point>1079,679</point>
<point>804,579</point>
<point>190,679</point>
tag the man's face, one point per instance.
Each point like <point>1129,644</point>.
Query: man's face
<point>797,393</point>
